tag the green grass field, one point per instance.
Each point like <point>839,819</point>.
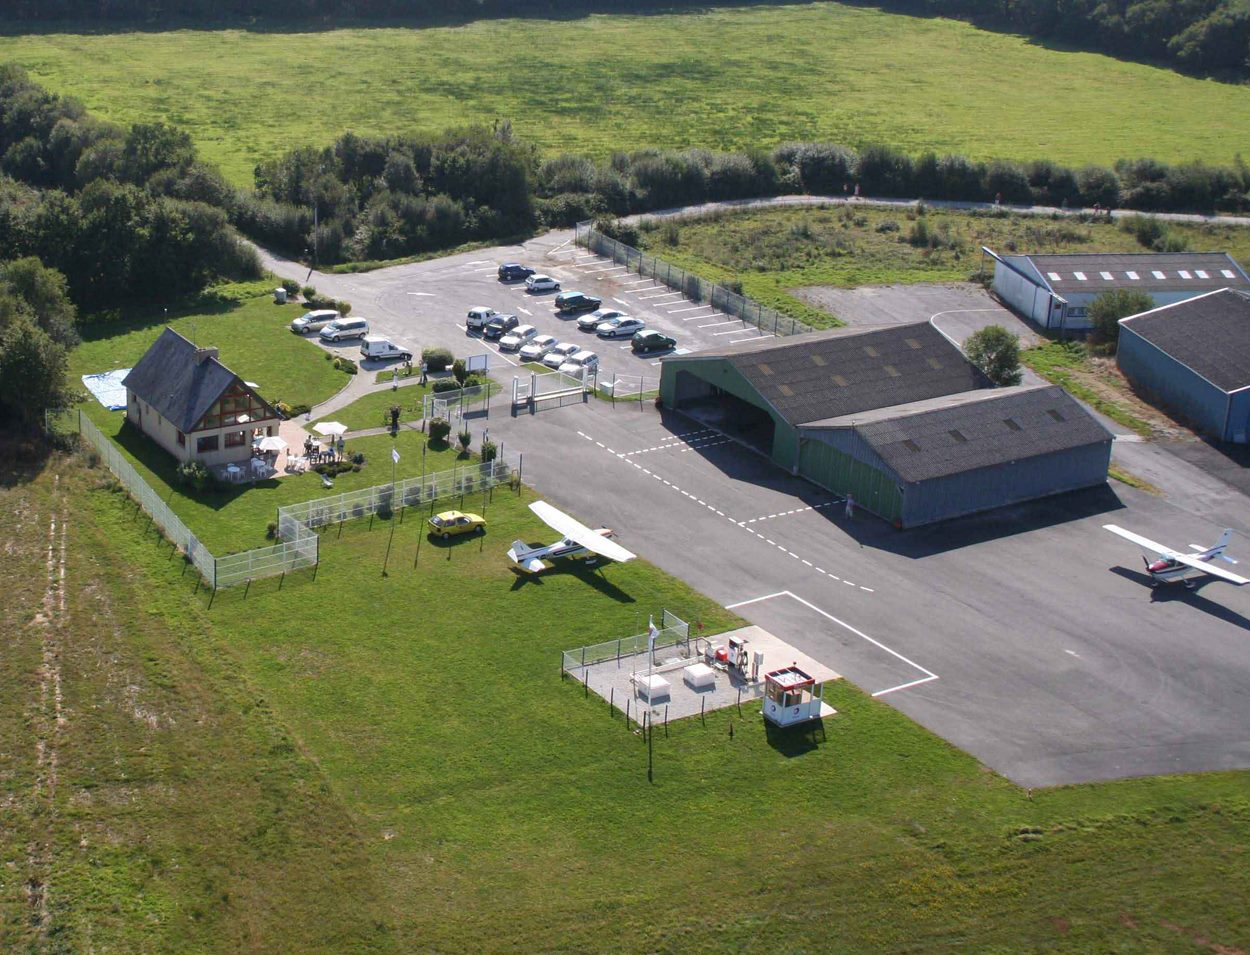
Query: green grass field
<point>249,331</point>
<point>412,773</point>
<point>772,252</point>
<point>721,78</point>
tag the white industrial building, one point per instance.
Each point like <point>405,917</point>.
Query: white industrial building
<point>1055,291</point>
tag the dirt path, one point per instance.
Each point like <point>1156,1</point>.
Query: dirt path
<point>49,719</point>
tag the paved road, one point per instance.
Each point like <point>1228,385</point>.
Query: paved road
<point>1027,637</point>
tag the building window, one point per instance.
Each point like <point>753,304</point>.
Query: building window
<point>206,444</point>
<point>236,439</point>
<point>182,440</point>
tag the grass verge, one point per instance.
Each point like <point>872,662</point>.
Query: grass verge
<point>1069,364</point>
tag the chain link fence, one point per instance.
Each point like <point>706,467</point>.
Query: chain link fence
<point>456,405</point>
<point>672,632</point>
<point>169,523</point>
<point>694,287</point>
<point>298,544</point>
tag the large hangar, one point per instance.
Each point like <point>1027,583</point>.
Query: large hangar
<point>896,417</point>
<point>1194,358</point>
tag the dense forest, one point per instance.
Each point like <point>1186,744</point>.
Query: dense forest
<point>1210,37</point>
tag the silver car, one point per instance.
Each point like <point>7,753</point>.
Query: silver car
<point>560,353</point>
<point>536,348</point>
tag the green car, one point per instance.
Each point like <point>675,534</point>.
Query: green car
<point>649,341</point>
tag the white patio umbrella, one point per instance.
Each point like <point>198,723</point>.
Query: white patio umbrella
<point>272,443</point>
<point>332,428</point>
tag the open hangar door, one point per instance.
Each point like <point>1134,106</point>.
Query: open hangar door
<point>720,408</point>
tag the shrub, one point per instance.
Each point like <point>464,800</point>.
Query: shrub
<point>489,450</point>
<point>291,286</point>
<point>437,359</point>
<point>887,225</point>
<point>618,230</point>
<point>345,364</point>
<point>333,469</point>
<point>343,306</point>
<point>1108,308</point>
<point>290,410</point>
<point>465,438</point>
<point>440,428</point>
<point>358,457</point>
<point>271,531</point>
<point>194,475</point>
<point>996,352</point>
<point>460,370</point>
<point>443,385</point>
<point>309,292</point>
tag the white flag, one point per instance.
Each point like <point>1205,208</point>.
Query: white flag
<point>395,455</point>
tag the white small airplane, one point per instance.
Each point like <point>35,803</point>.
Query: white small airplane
<point>578,541</point>
<point>1171,566</point>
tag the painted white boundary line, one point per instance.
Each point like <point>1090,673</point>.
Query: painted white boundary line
<point>929,675</point>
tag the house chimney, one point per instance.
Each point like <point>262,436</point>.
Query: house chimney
<point>204,354</point>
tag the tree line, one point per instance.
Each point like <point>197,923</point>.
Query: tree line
<point>94,216</point>
<point>1202,36</point>
<point>388,197</point>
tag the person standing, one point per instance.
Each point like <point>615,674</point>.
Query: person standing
<point>424,371</point>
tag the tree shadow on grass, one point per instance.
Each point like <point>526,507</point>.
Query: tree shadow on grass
<point>109,324</point>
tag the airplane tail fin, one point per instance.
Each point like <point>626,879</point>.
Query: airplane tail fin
<point>1220,544</point>
<point>519,551</point>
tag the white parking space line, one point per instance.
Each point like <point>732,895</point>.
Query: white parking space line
<point>669,444</point>
<point>489,268</point>
<point>620,301</point>
<point>610,268</point>
<point>648,298</point>
<point>752,338</point>
<point>480,262</point>
<point>929,675</point>
<point>693,308</point>
<point>524,311</point>
<point>640,282</point>
<point>732,331</point>
<point>732,321</point>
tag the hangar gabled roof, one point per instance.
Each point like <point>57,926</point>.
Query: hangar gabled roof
<point>847,370</point>
<point>1152,272</point>
<point>958,433</point>
<point>1209,334</point>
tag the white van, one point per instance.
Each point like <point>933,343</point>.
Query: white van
<point>342,328</point>
<point>314,321</point>
<point>479,316</point>
<point>379,346</point>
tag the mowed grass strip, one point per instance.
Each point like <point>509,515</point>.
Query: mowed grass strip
<point>775,253</point>
<point>721,78</point>
<point>499,804</point>
<point>167,809</point>
<point>242,322</point>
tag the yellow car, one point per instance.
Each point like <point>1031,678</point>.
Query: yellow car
<point>450,523</point>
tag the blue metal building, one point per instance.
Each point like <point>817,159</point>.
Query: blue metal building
<point>1193,358</point>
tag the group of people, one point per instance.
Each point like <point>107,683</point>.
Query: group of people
<point>333,449</point>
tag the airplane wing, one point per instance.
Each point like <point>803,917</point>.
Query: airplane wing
<point>575,530</point>
<point>1211,569</point>
<point>1145,542</point>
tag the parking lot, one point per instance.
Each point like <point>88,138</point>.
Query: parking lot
<point>426,304</point>
<point>1027,636</point>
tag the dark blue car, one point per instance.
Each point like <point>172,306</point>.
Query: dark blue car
<point>513,271</point>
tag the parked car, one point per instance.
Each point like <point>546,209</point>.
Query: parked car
<point>517,337</point>
<point>580,363</point>
<point>453,523</point>
<point>541,283</point>
<point>500,325</point>
<point>511,271</point>
<point>537,347</point>
<point>577,302</point>
<point>559,353</point>
<point>342,328</point>
<point>314,321</point>
<point>649,341</point>
<point>620,327</point>
<point>379,346</point>
<point>588,323</point>
<point>478,316</point>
